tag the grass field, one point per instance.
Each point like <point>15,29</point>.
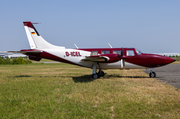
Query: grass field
<point>67,91</point>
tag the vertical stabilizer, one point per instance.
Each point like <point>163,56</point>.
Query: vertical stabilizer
<point>34,38</point>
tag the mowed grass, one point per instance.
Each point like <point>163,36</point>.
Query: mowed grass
<point>67,91</point>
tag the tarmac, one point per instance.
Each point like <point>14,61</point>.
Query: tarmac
<point>170,74</point>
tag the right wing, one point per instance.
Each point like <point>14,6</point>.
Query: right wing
<point>96,58</point>
<point>104,58</point>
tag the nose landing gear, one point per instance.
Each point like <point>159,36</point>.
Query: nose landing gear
<point>152,74</point>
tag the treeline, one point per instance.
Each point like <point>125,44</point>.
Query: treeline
<point>177,58</point>
<point>174,56</point>
<point>18,60</point>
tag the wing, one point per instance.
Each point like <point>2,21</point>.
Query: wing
<point>96,58</point>
<point>105,58</point>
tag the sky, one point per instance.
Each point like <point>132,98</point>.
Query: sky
<point>152,26</point>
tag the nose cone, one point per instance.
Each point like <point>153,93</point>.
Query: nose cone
<point>169,60</point>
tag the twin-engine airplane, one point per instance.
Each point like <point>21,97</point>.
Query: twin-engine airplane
<point>98,58</point>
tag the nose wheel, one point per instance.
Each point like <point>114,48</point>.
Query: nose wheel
<point>152,74</point>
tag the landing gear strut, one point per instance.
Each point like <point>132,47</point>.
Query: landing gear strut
<point>99,74</point>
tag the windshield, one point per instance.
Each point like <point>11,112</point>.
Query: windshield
<point>138,51</point>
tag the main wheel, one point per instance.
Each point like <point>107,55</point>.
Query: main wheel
<point>95,76</point>
<point>152,74</point>
<point>101,73</point>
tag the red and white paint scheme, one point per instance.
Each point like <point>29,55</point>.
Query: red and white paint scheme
<point>97,58</point>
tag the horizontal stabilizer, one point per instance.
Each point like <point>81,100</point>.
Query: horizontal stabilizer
<point>27,52</point>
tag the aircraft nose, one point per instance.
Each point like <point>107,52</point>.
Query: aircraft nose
<point>169,60</point>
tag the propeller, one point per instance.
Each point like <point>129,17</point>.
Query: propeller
<point>122,63</point>
<point>122,60</point>
<point>120,55</point>
<point>121,52</point>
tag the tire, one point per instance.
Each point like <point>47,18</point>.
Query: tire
<point>95,76</point>
<point>152,74</point>
<point>101,74</point>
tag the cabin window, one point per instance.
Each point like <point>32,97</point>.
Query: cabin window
<point>130,53</point>
<point>117,52</point>
<point>105,52</point>
<point>94,53</point>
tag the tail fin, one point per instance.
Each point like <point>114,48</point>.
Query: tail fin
<point>34,38</point>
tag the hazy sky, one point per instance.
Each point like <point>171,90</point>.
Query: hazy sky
<point>148,25</point>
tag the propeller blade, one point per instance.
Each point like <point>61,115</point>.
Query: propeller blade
<point>122,64</point>
<point>120,55</point>
<point>121,52</point>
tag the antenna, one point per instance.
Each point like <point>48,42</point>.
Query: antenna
<point>110,45</point>
<point>76,46</point>
<point>36,23</point>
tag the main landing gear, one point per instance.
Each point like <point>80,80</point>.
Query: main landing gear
<point>96,75</point>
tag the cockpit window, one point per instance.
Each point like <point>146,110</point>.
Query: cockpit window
<point>138,51</point>
<point>130,53</point>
